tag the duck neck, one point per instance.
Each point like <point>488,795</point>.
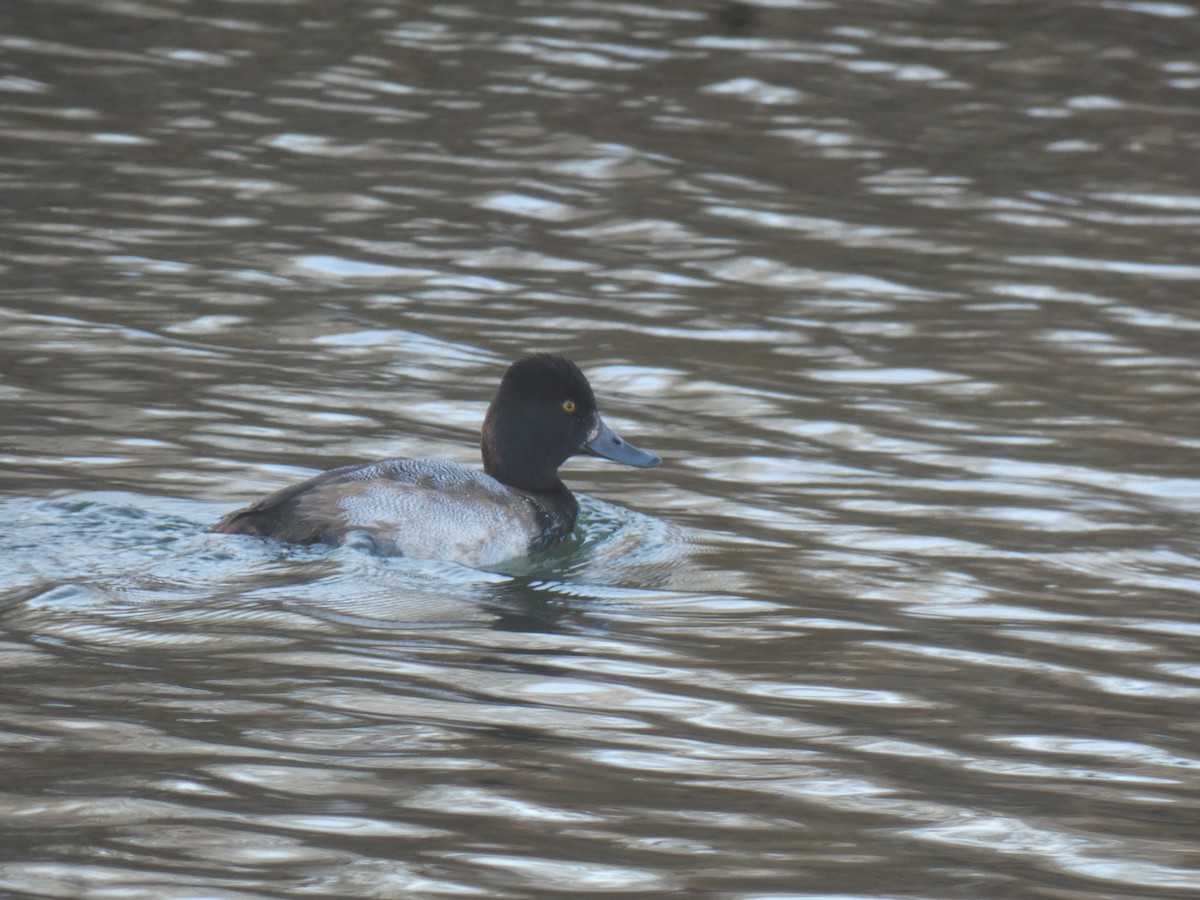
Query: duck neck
<point>557,512</point>
<point>514,458</point>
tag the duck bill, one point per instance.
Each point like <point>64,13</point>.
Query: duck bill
<point>607,443</point>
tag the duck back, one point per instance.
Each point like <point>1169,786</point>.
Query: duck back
<point>428,509</point>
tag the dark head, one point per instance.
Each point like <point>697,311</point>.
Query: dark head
<point>544,412</point>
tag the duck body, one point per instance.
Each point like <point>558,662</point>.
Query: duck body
<point>543,413</point>
<point>422,508</point>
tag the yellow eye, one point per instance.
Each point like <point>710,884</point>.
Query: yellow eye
<point>569,406</point>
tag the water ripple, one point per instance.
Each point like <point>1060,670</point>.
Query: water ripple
<point>904,301</point>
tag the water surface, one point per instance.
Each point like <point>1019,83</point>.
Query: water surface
<point>905,296</point>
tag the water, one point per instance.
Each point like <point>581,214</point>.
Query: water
<point>905,296</point>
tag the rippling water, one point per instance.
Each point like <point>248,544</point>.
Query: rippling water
<point>904,294</point>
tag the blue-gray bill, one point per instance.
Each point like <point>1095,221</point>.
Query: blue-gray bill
<point>610,445</point>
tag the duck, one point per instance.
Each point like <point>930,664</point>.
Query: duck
<point>543,413</point>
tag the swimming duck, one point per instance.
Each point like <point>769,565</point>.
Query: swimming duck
<point>543,413</point>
